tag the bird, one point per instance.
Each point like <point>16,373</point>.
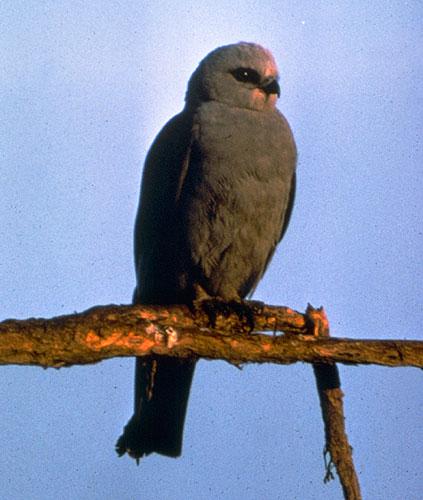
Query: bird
<point>217,193</point>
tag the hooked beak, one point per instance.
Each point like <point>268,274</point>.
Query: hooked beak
<point>271,87</point>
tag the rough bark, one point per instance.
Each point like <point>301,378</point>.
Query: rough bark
<point>109,331</point>
<point>337,451</point>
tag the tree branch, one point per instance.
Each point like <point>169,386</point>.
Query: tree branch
<point>109,331</point>
<point>330,395</point>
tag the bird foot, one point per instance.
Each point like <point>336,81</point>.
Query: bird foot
<point>216,309</point>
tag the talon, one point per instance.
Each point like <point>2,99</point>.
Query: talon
<point>245,312</point>
<point>213,307</point>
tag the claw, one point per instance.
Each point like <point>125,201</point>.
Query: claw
<point>214,308</point>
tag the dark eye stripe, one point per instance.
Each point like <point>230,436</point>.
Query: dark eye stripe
<point>246,75</point>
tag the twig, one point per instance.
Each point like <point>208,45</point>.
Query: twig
<point>337,451</point>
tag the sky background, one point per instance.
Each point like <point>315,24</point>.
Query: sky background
<point>84,89</point>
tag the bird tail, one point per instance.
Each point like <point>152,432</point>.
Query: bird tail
<point>162,386</point>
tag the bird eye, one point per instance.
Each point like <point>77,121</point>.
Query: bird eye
<point>246,75</point>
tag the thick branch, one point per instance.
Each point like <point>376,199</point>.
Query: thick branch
<point>110,331</point>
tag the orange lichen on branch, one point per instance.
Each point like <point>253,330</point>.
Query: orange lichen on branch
<point>110,331</point>
<point>128,340</point>
<point>266,347</point>
<point>317,321</point>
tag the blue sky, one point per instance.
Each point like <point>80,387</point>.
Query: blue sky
<point>83,92</point>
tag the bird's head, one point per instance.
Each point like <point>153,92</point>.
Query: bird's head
<point>242,75</point>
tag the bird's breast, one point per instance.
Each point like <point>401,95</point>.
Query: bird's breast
<point>236,192</point>
<point>246,141</point>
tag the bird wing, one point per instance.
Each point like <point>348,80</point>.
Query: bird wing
<point>289,207</point>
<point>164,173</point>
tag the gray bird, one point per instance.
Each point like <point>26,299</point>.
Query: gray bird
<point>217,193</point>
